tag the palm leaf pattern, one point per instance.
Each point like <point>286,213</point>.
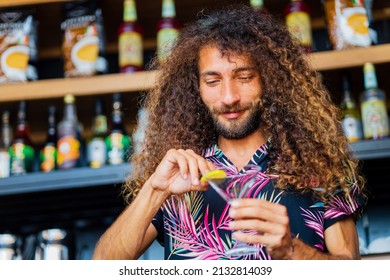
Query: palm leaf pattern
<point>192,235</point>
<point>341,206</point>
<point>197,224</point>
<point>314,220</point>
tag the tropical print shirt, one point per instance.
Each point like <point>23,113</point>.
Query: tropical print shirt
<point>196,225</point>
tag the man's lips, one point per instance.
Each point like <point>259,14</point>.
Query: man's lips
<point>232,115</point>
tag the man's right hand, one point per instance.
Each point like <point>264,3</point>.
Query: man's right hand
<point>179,172</point>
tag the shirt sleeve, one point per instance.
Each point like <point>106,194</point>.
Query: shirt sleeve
<point>341,207</point>
<point>158,223</point>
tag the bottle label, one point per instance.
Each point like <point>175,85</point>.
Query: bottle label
<point>375,119</point>
<point>130,49</point>
<point>22,157</point>
<point>166,38</point>
<point>100,124</point>
<point>298,23</point>
<point>5,162</point>
<point>48,158</point>
<point>354,26</point>
<point>117,147</point>
<point>96,153</point>
<point>352,129</point>
<point>68,151</point>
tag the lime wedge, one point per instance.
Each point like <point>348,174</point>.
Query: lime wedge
<point>216,176</point>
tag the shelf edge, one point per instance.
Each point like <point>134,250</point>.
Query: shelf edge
<point>56,88</point>
<point>331,60</point>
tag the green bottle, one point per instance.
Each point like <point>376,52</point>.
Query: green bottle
<point>21,151</point>
<point>118,141</point>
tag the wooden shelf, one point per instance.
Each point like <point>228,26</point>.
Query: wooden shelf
<point>57,88</point>
<point>140,81</point>
<point>331,60</point>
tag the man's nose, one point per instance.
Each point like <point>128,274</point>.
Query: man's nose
<point>230,94</point>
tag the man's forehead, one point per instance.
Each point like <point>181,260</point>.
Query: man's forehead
<point>210,54</point>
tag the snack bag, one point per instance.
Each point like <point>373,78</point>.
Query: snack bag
<point>348,24</point>
<point>15,28</point>
<point>81,39</point>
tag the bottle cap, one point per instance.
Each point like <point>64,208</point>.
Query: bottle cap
<point>369,67</point>
<point>69,98</point>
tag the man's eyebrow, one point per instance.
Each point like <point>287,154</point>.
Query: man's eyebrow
<point>237,70</point>
<point>244,68</point>
<point>210,73</point>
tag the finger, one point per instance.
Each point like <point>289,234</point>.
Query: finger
<point>263,239</point>
<point>174,157</point>
<point>277,214</point>
<point>192,165</point>
<point>204,165</point>
<point>262,227</point>
<point>247,202</point>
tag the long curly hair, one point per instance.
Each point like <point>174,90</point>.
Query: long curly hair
<point>308,149</point>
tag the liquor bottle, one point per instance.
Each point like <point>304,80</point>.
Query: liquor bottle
<point>21,150</point>
<point>167,29</point>
<point>48,154</point>
<point>96,149</point>
<point>117,142</point>
<point>297,14</point>
<point>69,136</point>
<point>351,120</point>
<point>130,40</point>
<point>5,143</point>
<point>258,5</point>
<point>373,106</point>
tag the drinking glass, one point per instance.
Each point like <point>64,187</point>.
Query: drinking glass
<point>230,187</point>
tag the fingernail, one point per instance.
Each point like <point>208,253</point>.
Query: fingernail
<point>195,181</point>
<point>232,212</point>
<point>231,224</point>
<point>185,176</point>
<point>234,203</point>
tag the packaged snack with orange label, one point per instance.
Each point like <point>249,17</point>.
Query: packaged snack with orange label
<point>15,28</point>
<point>348,24</point>
<point>81,39</point>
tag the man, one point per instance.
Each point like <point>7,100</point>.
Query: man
<point>236,89</point>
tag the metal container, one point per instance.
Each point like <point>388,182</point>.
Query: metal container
<point>9,247</point>
<point>52,245</point>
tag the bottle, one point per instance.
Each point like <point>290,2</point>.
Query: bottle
<point>117,142</point>
<point>130,40</point>
<point>52,245</point>
<point>96,149</point>
<point>69,136</point>
<point>351,120</point>
<point>258,5</point>
<point>48,154</point>
<point>21,150</point>
<point>297,14</point>
<point>167,29</point>
<point>373,106</point>
<point>5,143</point>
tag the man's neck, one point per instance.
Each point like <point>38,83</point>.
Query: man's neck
<point>240,151</point>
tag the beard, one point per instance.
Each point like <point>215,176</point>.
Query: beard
<point>237,128</point>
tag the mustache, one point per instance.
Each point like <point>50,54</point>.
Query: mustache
<point>231,108</point>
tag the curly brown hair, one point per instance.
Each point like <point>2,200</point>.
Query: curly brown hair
<point>308,148</point>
